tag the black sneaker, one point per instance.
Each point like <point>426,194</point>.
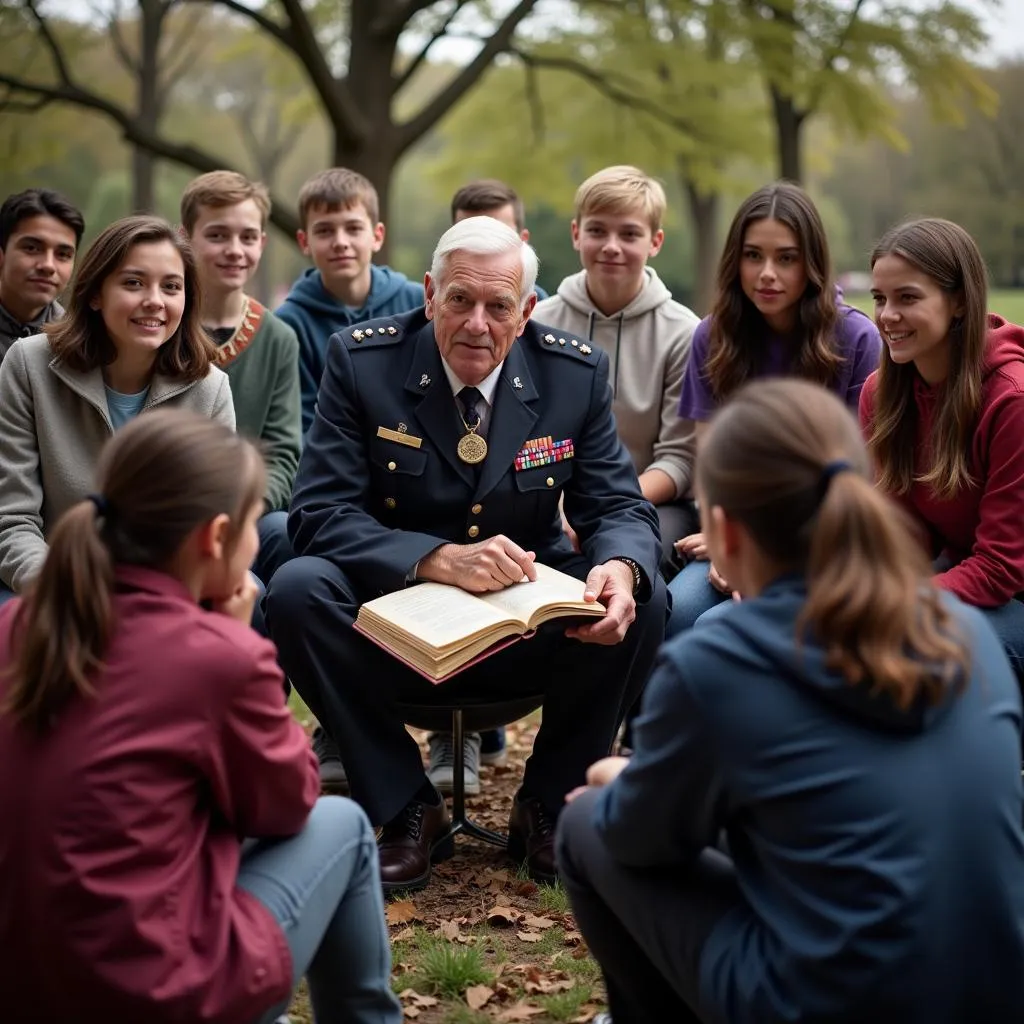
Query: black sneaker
<point>332,771</point>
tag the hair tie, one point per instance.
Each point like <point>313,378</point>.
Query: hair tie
<point>830,470</point>
<point>102,505</point>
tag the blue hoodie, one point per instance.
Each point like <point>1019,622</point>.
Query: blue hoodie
<point>879,853</point>
<point>315,314</point>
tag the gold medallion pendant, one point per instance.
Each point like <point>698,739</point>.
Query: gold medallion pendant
<point>472,448</point>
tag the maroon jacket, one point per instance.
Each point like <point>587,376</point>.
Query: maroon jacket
<point>120,829</point>
<point>980,531</point>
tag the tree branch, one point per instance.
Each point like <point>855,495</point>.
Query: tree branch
<point>173,73</point>
<point>24,107</point>
<point>596,77</point>
<point>831,57</point>
<point>499,42</point>
<point>401,12</point>
<point>189,156</point>
<point>117,38</point>
<point>345,117</point>
<point>51,43</point>
<point>273,28</point>
<point>420,57</point>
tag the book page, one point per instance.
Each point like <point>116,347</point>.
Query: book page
<point>436,613</point>
<point>552,587</point>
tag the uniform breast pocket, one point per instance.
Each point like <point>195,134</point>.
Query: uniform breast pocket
<point>397,475</point>
<point>538,489</point>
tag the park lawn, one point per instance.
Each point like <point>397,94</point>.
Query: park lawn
<point>1008,303</point>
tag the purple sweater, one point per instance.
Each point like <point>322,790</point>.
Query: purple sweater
<point>858,341</point>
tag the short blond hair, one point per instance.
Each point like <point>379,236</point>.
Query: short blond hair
<point>218,189</point>
<point>619,190</point>
<point>338,188</point>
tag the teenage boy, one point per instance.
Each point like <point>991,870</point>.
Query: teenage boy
<point>341,231</point>
<point>224,216</point>
<point>619,303</point>
<point>40,231</point>
<point>489,197</point>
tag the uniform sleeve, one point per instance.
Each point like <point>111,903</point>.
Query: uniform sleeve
<point>993,573</point>
<point>22,545</point>
<point>675,447</point>
<point>329,516</point>
<point>264,773</point>
<point>602,499</point>
<point>282,432</point>
<point>664,808</point>
<point>696,402</point>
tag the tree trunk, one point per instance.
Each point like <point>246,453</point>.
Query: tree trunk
<point>789,122</point>
<point>149,101</point>
<point>704,209</point>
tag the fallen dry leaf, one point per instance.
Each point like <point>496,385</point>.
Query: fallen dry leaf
<point>401,912</point>
<point>405,933</point>
<point>538,922</point>
<point>411,1012</point>
<point>527,888</point>
<point>521,1011</point>
<point>500,915</point>
<point>572,938</point>
<point>477,996</point>
<point>529,936</point>
<point>448,930</point>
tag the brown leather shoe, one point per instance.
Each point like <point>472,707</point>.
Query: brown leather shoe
<point>531,838</point>
<point>411,841</point>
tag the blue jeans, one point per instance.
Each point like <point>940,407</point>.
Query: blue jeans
<point>692,595</point>
<point>6,594</point>
<point>1008,623</point>
<point>323,888</point>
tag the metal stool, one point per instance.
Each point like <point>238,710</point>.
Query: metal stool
<point>468,716</point>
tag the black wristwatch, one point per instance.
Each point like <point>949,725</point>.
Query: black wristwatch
<point>635,570</point>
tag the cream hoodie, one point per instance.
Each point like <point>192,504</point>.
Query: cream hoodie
<point>648,345</point>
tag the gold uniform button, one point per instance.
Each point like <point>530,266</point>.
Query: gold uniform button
<point>392,466</point>
<point>477,509</point>
<point>550,481</point>
<point>390,502</point>
<point>474,531</point>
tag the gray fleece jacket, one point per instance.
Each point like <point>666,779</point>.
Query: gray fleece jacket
<point>648,346</point>
<point>53,423</point>
<point>11,329</point>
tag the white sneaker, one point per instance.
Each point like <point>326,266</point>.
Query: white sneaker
<point>442,761</point>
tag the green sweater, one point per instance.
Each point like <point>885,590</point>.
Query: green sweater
<point>265,387</point>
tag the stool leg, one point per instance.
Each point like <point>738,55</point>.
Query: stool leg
<point>460,823</point>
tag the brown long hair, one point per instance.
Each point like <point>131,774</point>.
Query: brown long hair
<point>950,257</point>
<point>80,340</point>
<point>736,346</point>
<point>870,602</point>
<point>160,476</point>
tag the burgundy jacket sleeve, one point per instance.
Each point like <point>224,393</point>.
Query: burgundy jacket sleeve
<point>993,573</point>
<point>264,772</point>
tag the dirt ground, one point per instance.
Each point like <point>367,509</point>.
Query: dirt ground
<point>483,943</point>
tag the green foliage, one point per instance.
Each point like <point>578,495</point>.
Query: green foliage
<point>566,1005</point>
<point>449,969</point>
<point>554,898</point>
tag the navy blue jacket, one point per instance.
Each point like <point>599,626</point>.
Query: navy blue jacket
<point>315,314</point>
<point>880,854</point>
<point>375,507</point>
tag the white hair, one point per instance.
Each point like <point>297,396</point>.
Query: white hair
<point>484,236</point>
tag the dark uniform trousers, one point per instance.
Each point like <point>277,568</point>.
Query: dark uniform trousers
<point>352,686</point>
<point>380,486</point>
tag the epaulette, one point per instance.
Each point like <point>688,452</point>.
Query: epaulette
<point>568,345</point>
<point>374,332</point>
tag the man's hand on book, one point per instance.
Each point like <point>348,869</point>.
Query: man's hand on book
<point>611,583</point>
<point>491,564</point>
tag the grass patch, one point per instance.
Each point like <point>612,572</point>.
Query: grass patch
<point>448,970</point>
<point>586,969</point>
<point>566,1005</point>
<point>554,898</point>
<point>1007,302</point>
<point>552,942</point>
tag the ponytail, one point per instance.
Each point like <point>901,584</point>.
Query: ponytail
<point>62,628</point>
<point>785,458</point>
<point>868,603</point>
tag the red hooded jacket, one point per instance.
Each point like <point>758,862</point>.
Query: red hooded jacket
<point>980,531</point>
<point>121,828</point>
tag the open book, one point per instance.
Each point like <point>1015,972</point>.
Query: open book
<point>439,629</point>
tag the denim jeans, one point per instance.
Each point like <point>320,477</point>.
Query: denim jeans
<point>1008,623</point>
<point>6,594</point>
<point>692,595</point>
<point>323,888</point>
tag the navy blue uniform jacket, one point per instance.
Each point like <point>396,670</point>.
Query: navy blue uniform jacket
<point>374,506</point>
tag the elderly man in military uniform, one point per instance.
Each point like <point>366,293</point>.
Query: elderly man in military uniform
<point>468,384</point>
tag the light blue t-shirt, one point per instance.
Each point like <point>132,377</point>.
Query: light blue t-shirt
<point>123,408</point>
